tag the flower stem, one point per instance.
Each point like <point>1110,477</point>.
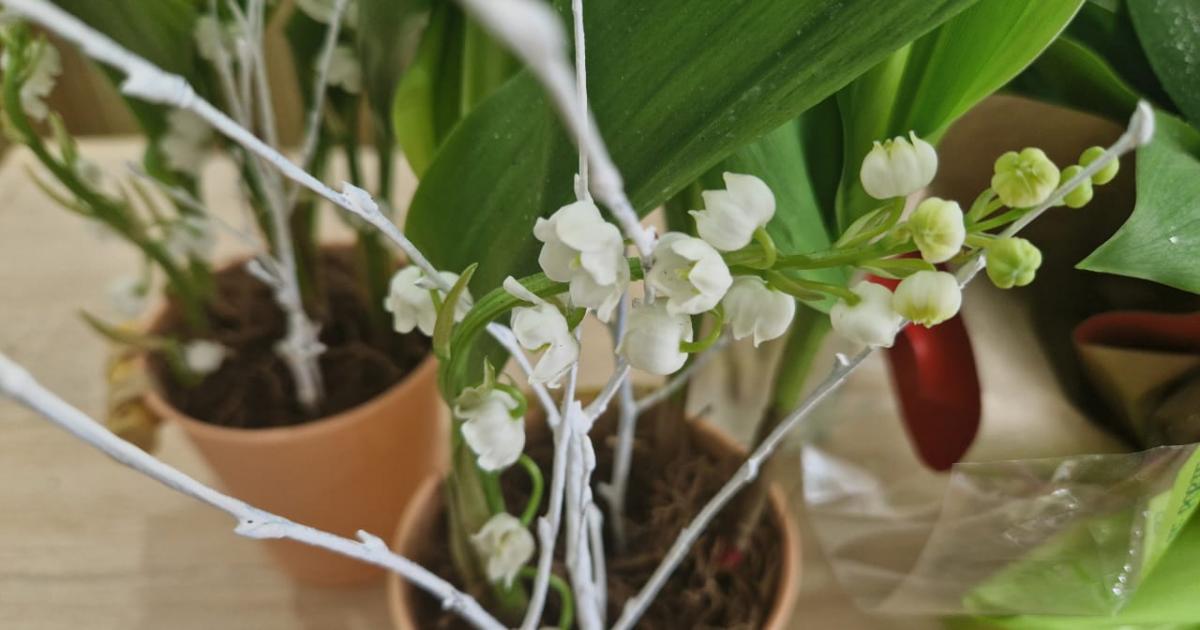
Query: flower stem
<point>711,338</point>
<point>566,615</point>
<point>535,492</point>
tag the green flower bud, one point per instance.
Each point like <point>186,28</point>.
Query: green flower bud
<point>1012,262</point>
<point>928,298</point>
<point>1024,179</point>
<point>1082,194</point>
<point>1104,175</point>
<point>938,229</point>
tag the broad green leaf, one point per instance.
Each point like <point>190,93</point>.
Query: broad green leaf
<point>387,35</point>
<point>1107,30</point>
<point>1170,34</point>
<point>675,85</point>
<point>1161,239</point>
<point>1073,75</point>
<point>928,85</point>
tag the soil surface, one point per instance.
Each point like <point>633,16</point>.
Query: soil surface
<point>253,387</point>
<point>672,477</point>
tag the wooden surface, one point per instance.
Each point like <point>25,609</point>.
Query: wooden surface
<point>85,543</point>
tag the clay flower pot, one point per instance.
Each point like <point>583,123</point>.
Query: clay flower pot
<point>417,523</point>
<point>355,470</point>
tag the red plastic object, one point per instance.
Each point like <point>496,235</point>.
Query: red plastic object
<point>1142,330</point>
<point>934,378</point>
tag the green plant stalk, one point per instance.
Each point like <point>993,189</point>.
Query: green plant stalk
<point>190,299</point>
<point>537,484</point>
<point>373,255</point>
<point>566,616</point>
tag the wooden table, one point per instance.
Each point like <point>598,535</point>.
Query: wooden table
<point>85,543</point>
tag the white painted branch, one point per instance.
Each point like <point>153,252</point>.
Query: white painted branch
<point>680,378</point>
<point>312,124</point>
<point>146,81</point>
<point>18,384</point>
<point>1139,132</point>
<point>581,185</point>
<point>532,30</point>
<point>549,525</point>
<point>600,403</point>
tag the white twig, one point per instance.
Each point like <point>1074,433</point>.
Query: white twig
<point>600,403</point>
<point>680,378</point>
<point>548,525</point>
<point>532,30</point>
<point>146,81</point>
<point>18,384</point>
<point>581,185</point>
<point>312,125</point>
<point>1139,132</point>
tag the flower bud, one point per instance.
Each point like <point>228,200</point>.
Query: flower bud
<point>505,545</point>
<point>872,321</point>
<point>731,216</point>
<point>928,297</point>
<point>689,272</point>
<point>1012,262</point>
<point>1081,194</point>
<point>1104,175</point>
<point>203,357</point>
<point>489,428</point>
<point>938,229</point>
<point>898,167</point>
<point>652,338</point>
<point>753,308</point>
<point>1024,179</point>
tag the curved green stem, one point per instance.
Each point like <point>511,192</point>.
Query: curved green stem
<point>804,289</point>
<point>537,483</point>
<point>713,335</point>
<point>999,220</point>
<point>769,252</point>
<point>522,404</point>
<point>566,615</point>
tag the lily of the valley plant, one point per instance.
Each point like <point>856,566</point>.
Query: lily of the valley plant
<point>668,298</point>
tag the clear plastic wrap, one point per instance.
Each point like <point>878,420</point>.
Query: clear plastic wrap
<point>1055,536</point>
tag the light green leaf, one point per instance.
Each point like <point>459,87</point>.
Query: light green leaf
<point>1161,239</point>
<point>675,84</point>
<point>928,85</point>
<point>1073,75</point>
<point>1170,34</point>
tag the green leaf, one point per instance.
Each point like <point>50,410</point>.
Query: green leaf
<point>1162,237</point>
<point>387,36</point>
<point>1170,34</point>
<point>1073,75</point>
<point>928,85</point>
<point>676,85</point>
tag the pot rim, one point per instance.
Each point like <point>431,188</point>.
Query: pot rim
<point>399,590</point>
<point>161,407</point>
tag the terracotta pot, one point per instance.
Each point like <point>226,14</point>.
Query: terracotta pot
<point>355,470</point>
<point>416,527</point>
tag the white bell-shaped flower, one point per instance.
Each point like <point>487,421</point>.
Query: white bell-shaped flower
<point>211,37</point>
<point>489,428</point>
<point>344,70</point>
<point>928,298</point>
<point>872,321</point>
<point>652,338</point>
<point>938,229</point>
<point>731,216</point>
<point>689,272</point>
<point>753,308</point>
<point>505,545</point>
<point>411,304</point>
<point>40,82</point>
<point>582,249</point>
<point>543,328</point>
<point>898,167</point>
<point>185,144</point>
<point>203,357</point>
